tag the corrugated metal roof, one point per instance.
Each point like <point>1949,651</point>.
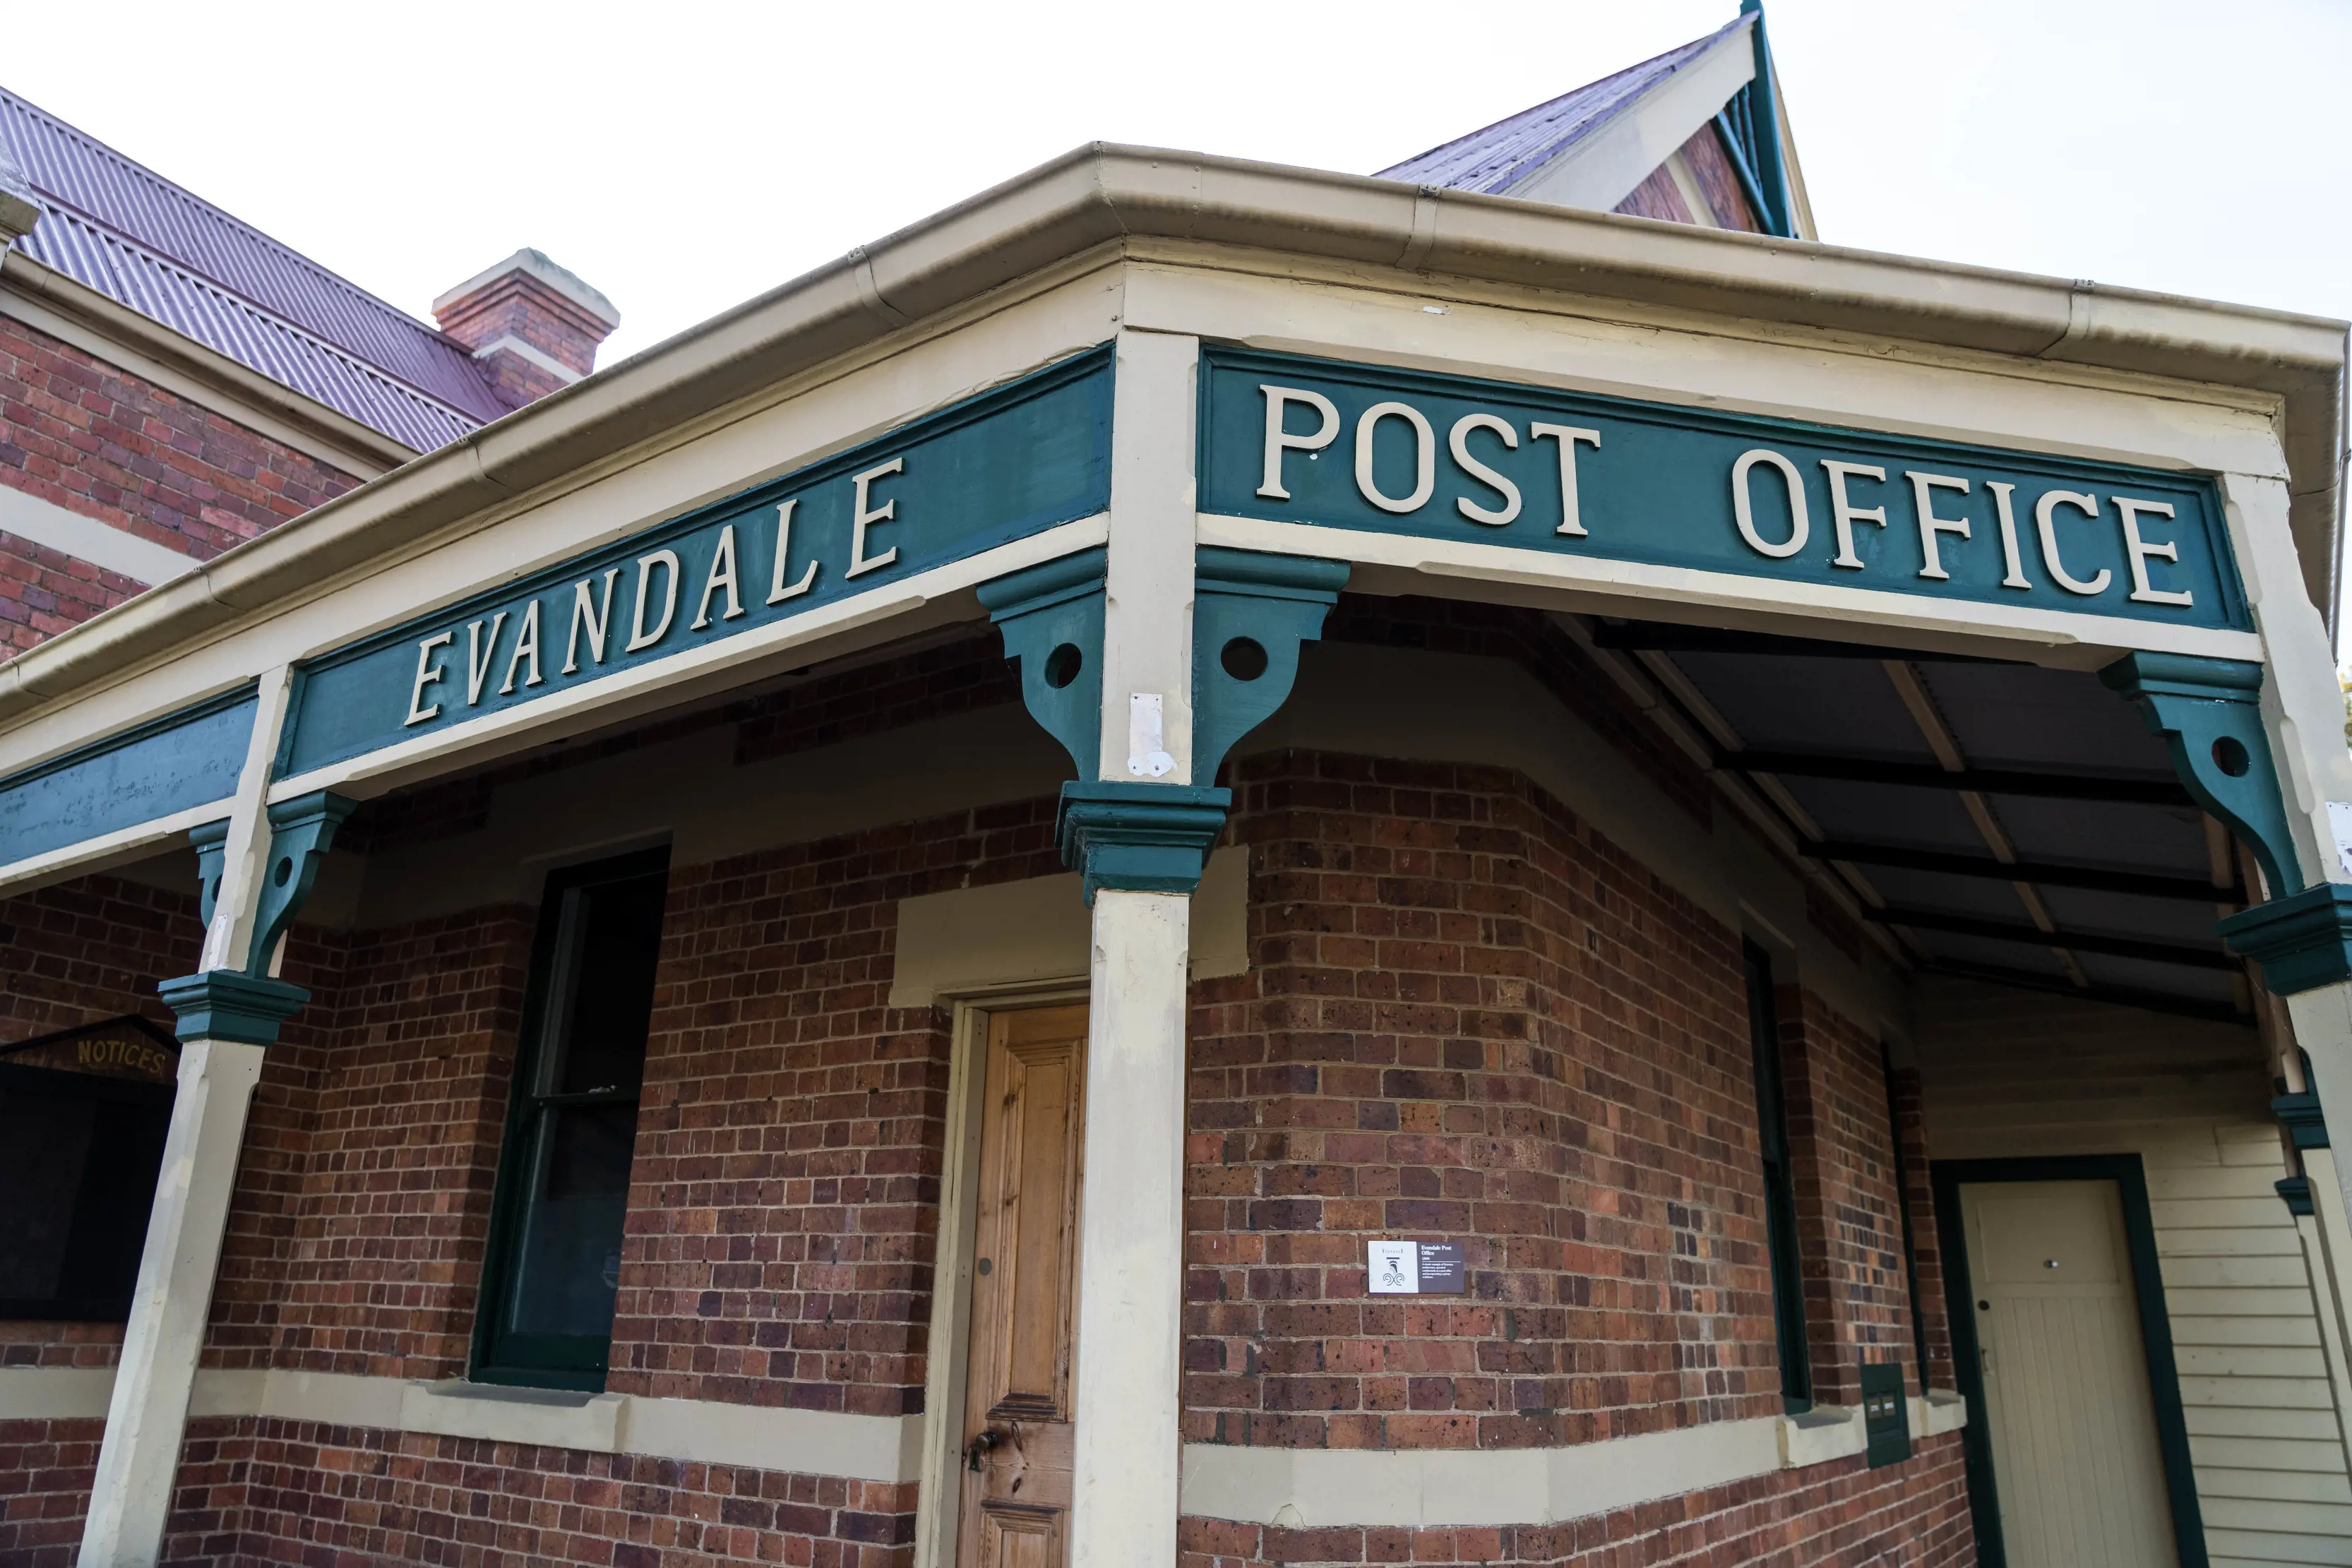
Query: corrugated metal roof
<point>125,231</point>
<point>1492,161</point>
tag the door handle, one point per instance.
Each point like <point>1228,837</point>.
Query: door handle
<point>985,1442</point>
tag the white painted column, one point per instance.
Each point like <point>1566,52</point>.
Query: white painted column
<point>2327,1252</point>
<point>1131,1248</point>
<point>145,1421</point>
<point>2303,712</point>
<point>1131,1256</point>
<point>1147,578</point>
<point>148,1412</point>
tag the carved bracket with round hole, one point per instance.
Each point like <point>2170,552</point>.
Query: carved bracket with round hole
<point>1051,618</point>
<point>2211,715</point>
<point>1250,613</point>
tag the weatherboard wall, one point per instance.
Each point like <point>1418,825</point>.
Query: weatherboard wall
<point>2007,1073</point>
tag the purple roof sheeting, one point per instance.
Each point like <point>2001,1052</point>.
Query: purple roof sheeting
<point>1492,161</point>
<point>125,231</point>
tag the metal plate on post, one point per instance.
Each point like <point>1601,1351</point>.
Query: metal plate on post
<point>1886,1414</point>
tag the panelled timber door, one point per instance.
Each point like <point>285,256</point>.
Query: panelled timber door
<point>1024,1292</point>
<point>2075,1458</point>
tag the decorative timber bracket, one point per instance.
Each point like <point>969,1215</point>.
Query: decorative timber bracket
<point>2306,1128</point>
<point>1051,618</point>
<point>2209,713</point>
<point>1250,612</point>
<point>248,1004</point>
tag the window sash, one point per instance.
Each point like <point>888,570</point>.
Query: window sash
<point>505,1352</point>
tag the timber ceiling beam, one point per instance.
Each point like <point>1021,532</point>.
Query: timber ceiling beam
<point>2112,788</point>
<point>2147,884</point>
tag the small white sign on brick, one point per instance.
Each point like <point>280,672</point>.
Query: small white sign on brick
<point>1395,1268</point>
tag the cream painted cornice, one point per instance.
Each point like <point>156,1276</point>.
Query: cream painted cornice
<point>221,384</point>
<point>1100,195</point>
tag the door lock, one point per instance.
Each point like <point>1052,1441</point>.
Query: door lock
<point>988,1440</point>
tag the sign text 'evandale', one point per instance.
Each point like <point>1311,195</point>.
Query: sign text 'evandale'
<point>998,467</point>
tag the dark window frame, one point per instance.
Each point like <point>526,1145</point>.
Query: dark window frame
<point>151,1103</point>
<point>1901,1171</point>
<point>577,1362</point>
<point>1779,1183</point>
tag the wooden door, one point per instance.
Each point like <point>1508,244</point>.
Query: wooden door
<point>1024,1293</point>
<point>2072,1421</point>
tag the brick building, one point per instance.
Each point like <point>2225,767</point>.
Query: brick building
<point>1203,864</point>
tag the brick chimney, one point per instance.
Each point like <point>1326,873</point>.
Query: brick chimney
<point>532,326</point>
<point>19,208</point>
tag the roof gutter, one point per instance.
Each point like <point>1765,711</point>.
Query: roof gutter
<point>1102,194</point>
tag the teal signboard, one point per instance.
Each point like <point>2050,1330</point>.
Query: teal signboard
<point>187,759</point>
<point>1003,466</point>
<point>1446,457</point>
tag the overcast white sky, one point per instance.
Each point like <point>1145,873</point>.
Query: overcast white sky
<point>684,157</point>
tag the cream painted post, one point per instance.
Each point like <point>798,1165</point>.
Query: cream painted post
<point>1147,583</point>
<point>2303,712</point>
<point>1131,1246</point>
<point>1131,1265</point>
<point>2328,1251</point>
<point>147,1413</point>
<point>245,859</point>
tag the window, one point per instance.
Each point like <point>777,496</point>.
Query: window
<point>563,1178</point>
<point>82,1119</point>
<point>1901,1173</point>
<point>1780,1184</point>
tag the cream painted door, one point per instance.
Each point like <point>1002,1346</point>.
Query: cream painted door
<point>2067,1405</point>
<point>1024,1293</point>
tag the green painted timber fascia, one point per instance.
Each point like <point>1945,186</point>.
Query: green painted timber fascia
<point>1051,618</point>
<point>301,830</point>
<point>1140,838</point>
<point>1275,602</point>
<point>2301,942</point>
<point>227,1004</point>
<point>2209,713</point>
<point>1771,174</point>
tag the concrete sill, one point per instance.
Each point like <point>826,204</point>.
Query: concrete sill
<point>549,1417</point>
<point>1829,1432</point>
<point>1825,1432</point>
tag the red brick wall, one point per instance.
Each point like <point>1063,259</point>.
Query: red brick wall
<point>44,591</point>
<point>783,1207</point>
<point>1838,1515</point>
<point>1849,1214</point>
<point>365,1194</point>
<point>1935,1316</point>
<point>1710,165</point>
<point>275,1492</point>
<point>94,439</point>
<point>46,1468</point>
<point>1529,639</point>
<point>1657,196</point>
<point>1469,1015</point>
